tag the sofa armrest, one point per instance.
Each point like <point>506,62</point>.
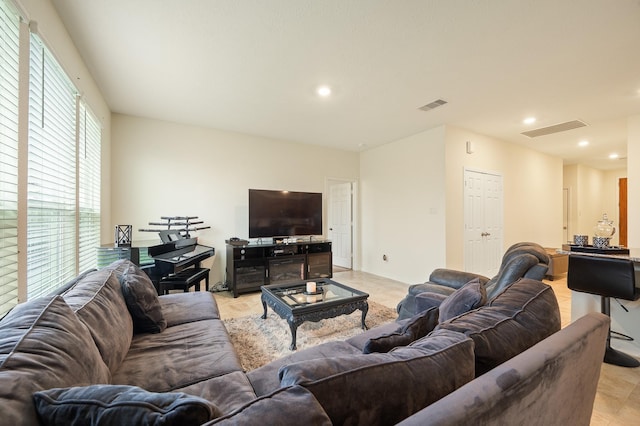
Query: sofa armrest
<point>553,382</point>
<point>454,279</point>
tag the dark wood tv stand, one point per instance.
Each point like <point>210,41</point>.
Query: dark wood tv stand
<point>254,265</point>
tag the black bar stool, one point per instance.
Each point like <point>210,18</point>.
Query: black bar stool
<point>607,277</point>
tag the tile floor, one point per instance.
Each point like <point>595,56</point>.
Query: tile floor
<point>618,397</point>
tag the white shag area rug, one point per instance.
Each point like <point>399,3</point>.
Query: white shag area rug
<point>259,341</point>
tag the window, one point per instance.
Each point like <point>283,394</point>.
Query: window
<point>9,42</point>
<point>61,171</point>
<point>88,188</point>
<point>51,178</point>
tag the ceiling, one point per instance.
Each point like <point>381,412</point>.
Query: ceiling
<point>252,66</point>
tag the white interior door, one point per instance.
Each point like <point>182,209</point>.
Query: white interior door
<point>341,223</point>
<point>483,222</point>
<point>473,222</point>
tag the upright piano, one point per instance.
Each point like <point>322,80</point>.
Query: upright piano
<point>177,257</point>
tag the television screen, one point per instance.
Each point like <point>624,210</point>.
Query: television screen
<point>284,213</point>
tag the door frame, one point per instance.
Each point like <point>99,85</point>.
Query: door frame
<point>622,211</point>
<point>566,214</point>
<point>355,215</point>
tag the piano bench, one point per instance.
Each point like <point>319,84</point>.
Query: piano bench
<point>184,280</point>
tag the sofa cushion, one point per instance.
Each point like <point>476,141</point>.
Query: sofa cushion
<point>416,327</point>
<point>142,300</point>
<point>179,356</point>
<point>97,299</point>
<point>294,405</point>
<point>517,318</point>
<point>384,388</point>
<point>182,308</point>
<point>120,405</point>
<point>237,391</point>
<point>468,297</point>
<point>43,344</point>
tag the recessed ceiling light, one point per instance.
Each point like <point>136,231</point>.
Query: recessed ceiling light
<point>529,120</point>
<point>583,143</point>
<point>613,156</point>
<point>323,91</point>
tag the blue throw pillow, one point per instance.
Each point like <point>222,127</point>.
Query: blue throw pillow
<point>470,296</point>
<point>427,300</point>
<point>142,300</point>
<point>120,405</point>
<point>415,328</point>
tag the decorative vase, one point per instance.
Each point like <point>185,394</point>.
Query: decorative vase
<point>601,242</point>
<point>581,240</point>
<point>604,227</point>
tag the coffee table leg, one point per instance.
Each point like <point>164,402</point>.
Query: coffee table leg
<point>294,329</point>
<point>364,310</point>
<point>264,306</point>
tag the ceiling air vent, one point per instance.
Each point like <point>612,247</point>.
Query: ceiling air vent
<point>556,128</point>
<point>433,105</point>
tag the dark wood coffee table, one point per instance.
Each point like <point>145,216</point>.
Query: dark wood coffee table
<point>291,302</point>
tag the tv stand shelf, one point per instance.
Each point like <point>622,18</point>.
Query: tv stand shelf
<point>251,266</point>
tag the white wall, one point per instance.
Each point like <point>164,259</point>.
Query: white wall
<point>592,193</point>
<point>570,181</point>
<point>412,200</point>
<point>586,186</point>
<point>167,169</point>
<point>403,207</point>
<point>590,200</point>
<point>532,184</point>
<point>633,183</point>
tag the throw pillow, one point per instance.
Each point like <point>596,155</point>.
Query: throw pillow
<point>120,405</point>
<point>418,326</point>
<point>470,296</point>
<point>142,301</point>
<point>428,300</point>
<point>98,301</point>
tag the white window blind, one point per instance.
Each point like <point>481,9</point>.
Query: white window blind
<point>89,138</point>
<point>51,178</point>
<point>9,39</point>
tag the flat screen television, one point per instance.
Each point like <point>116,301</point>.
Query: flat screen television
<point>284,213</point>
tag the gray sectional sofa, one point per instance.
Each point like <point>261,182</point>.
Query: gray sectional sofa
<point>108,350</point>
